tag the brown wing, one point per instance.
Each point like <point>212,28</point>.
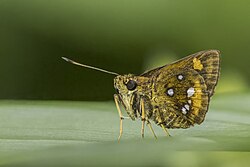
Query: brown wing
<point>206,63</point>
<point>182,90</point>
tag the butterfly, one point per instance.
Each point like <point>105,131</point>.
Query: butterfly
<point>175,95</point>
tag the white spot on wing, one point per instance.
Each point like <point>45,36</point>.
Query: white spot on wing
<point>189,101</point>
<point>187,106</point>
<point>184,111</point>
<point>170,92</point>
<point>190,92</point>
<point>180,77</point>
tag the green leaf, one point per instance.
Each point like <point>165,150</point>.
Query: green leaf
<point>49,133</point>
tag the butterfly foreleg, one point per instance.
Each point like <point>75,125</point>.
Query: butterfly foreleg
<point>117,100</point>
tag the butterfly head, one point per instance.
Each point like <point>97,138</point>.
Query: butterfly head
<point>126,87</point>
<point>125,84</point>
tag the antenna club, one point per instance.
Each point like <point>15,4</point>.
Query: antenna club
<point>66,59</point>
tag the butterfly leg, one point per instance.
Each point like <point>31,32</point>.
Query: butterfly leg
<point>116,98</point>
<point>142,117</point>
<point>165,130</point>
<point>151,129</point>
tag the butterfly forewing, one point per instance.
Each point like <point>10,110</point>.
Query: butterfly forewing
<point>206,63</point>
<point>210,70</point>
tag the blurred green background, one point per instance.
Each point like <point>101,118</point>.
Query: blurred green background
<point>121,36</point>
<point>125,36</point>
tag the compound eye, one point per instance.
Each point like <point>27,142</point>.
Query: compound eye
<point>131,85</point>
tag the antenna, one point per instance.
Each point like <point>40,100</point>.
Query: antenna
<point>87,66</point>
